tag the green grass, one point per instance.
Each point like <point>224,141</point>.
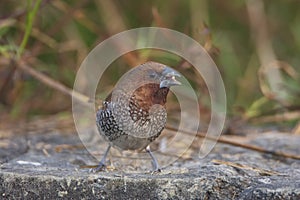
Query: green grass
<point>75,28</point>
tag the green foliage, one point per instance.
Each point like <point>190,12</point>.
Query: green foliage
<point>53,37</point>
<point>31,12</point>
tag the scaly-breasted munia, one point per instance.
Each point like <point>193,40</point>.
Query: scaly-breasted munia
<point>134,113</point>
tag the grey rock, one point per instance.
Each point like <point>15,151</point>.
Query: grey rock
<point>41,172</point>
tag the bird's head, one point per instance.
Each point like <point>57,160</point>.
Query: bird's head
<point>157,73</point>
<point>148,77</point>
<point>148,84</point>
<point>157,78</point>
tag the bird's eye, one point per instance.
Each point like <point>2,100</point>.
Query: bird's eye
<point>152,75</point>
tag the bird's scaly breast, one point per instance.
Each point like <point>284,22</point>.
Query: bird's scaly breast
<point>128,125</point>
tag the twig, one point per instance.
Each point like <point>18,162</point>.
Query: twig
<point>53,84</point>
<point>280,117</point>
<point>157,18</point>
<point>3,89</point>
<point>233,143</point>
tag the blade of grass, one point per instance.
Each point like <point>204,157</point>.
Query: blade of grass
<point>29,23</point>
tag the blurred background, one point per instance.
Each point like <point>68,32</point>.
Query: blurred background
<point>255,44</point>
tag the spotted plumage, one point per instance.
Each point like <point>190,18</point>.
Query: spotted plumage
<point>134,113</point>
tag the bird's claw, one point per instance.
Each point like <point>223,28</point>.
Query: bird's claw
<point>156,171</point>
<point>100,167</point>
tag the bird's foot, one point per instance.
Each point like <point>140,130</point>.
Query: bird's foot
<point>155,164</point>
<point>156,171</point>
<point>100,167</point>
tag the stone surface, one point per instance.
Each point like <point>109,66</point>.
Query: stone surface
<point>47,166</point>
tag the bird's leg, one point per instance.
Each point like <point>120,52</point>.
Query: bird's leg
<point>154,161</point>
<point>103,160</point>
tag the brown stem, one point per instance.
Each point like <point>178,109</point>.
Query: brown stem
<point>54,84</point>
<point>3,90</point>
<point>237,144</point>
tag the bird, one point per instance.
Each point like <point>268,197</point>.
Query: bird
<point>134,114</point>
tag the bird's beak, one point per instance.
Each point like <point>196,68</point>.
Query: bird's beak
<point>169,78</point>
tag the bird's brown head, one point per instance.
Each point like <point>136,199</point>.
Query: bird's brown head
<point>148,83</point>
<point>145,85</point>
